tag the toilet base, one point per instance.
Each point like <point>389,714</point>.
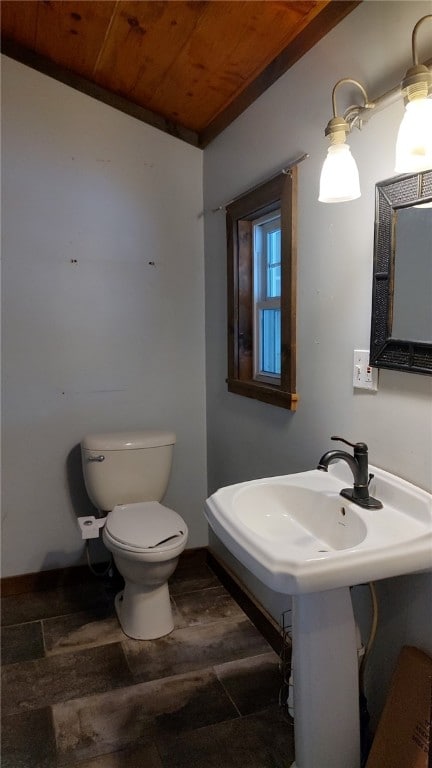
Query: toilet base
<point>144,613</point>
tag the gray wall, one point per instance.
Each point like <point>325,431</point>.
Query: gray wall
<point>95,337</point>
<point>248,439</point>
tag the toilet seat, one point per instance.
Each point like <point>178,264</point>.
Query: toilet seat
<point>146,527</point>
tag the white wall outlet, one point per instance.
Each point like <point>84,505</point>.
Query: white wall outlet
<point>364,376</point>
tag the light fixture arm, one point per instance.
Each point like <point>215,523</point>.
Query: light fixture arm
<point>412,85</point>
<point>353,82</point>
<point>384,100</point>
<point>414,37</point>
<point>339,126</point>
<point>417,81</point>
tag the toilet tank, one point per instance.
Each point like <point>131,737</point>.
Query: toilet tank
<point>126,467</point>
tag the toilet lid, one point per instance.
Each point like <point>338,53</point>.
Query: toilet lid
<point>145,525</point>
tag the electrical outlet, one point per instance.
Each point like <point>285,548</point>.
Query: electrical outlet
<point>364,376</point>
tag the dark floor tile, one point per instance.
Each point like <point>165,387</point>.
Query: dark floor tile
<point>136,757</point>
<point>22,643</point>
<point>253,684</point>
<point>103,723</point>
<point>86,629</point>
<point>191,579</point>
<point>34,606</point>
<point>28,740</point>
<point>34,684</point>
<point>192,701</point>
<point>206,606</point>
<point>192,558</point>
<point>262,740</point>
<point>193,648</point>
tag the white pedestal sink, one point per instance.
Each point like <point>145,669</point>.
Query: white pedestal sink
<point>326,694</point>
<point>300,537</point>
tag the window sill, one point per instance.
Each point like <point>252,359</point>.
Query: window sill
<point>267,393</point>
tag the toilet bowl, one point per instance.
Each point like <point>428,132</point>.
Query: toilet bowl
<point>146,540</point>
<point>127,473</point>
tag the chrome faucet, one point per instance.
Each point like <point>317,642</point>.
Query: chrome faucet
<point>358,464</point>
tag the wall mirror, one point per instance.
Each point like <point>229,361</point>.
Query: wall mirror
<point>401,328</point>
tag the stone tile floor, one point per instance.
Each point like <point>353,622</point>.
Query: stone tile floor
<point>77,692</point>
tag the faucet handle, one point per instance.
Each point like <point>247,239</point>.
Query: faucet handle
<point>357,446</point>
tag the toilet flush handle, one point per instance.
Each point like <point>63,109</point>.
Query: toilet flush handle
<point>96,458</point>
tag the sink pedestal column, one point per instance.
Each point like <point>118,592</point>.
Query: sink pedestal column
<point>325,675</point>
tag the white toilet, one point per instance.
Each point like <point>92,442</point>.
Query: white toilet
<point>126,475</point>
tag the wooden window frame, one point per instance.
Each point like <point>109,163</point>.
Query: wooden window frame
<point>279,192</point>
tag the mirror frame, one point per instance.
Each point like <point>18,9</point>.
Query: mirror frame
<point>385,351</point>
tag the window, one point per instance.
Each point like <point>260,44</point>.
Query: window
<point>261,292</point>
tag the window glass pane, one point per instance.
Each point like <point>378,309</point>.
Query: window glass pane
<point>273,263</point>
<point>271,341</point>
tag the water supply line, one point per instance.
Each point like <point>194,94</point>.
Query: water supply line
<point>372,635</point>
<point>95,572</point>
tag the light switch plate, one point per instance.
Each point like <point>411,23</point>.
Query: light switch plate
<point>364,376</point>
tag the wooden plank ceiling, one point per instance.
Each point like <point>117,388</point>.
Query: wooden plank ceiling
<point>189,68</point>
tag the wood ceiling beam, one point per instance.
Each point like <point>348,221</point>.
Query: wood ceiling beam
<point>49,68</point>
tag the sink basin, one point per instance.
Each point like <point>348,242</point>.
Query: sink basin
<point>311,519</point>
<point>298,535</point>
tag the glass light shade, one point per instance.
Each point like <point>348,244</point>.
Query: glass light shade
<point>414,141</point>
<point>339,176</point>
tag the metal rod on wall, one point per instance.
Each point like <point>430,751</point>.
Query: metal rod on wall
<point>286,169</point>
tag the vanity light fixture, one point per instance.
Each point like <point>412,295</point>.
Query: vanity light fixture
<point>414,141</point>
<point>339,176</point>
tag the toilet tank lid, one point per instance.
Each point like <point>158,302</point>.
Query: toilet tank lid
<point>119,441</point>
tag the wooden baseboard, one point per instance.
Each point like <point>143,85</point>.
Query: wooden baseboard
<point>42,580</point>
<point>254,610</point>
<point>75,574</point>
